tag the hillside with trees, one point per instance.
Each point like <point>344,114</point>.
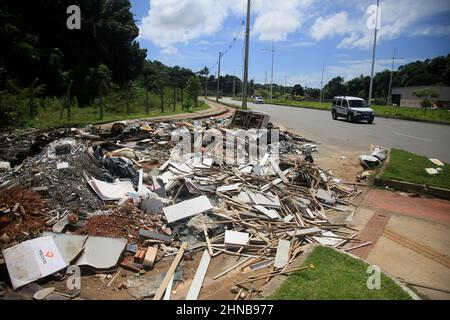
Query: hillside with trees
<point>419,73</point>
<point>48,69</point>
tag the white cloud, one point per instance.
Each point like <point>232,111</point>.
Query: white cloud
<point>303,44</point>
<point>275,19</point>
<point>432,30</point>
<point>397,18</point>
<point>170,22</point>
<point>336,24</point>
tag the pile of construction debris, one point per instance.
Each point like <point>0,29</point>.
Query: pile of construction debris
<point>105,198</point>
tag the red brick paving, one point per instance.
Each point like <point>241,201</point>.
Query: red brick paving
<point>373,230</point>
<point>427,208</point>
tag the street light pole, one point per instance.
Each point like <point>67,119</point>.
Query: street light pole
<point>389,101</point>
<point>369,102</point>
<point>271,80</point>
<point>247,44</point>
<point>218,79</point>
<point>321,84</point>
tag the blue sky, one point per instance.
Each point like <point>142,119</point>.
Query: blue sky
<point>306,34</point>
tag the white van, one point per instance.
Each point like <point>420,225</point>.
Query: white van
<point>352,108</point>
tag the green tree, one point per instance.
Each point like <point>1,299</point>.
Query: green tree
<point>193,89</point>
<point>205,72</point>
<point>102,77</point>
<point>335,87</point>
<point>298,90</point>
<point>428,97</point>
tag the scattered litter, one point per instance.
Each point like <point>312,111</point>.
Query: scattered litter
<point>369,162</point>
<point>111,191</point>
<point>4,165</point>
<point>437,162</point>
<point>62,165</point>
<point>431,171</point>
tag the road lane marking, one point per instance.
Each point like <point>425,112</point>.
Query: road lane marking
<point>413,137</point>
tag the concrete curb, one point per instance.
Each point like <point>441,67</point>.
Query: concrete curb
<point>213,111</point>
<point>277,281</point>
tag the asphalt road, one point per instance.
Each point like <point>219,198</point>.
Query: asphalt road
<point>428,139</point>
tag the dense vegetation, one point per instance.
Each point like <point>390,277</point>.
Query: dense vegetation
<point>47,68</point>
<point>420,73</point>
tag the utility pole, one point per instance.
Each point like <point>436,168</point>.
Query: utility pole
<point>234,84</point>
<point>247,45</point>
<point>271,77</point>
<point>265,80</point>
<point>285,81</point>
<point>206,86</point>
<point>321,84</point>
<point>218,79</point>
<point>389,100</point>
<point>369,102</point>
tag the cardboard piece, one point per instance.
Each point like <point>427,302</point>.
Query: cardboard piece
<point>111,191</point>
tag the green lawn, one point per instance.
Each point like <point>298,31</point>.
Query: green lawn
<point>440,116</point>
<point>410,167</point>
<point>336,276</point>
<point>90,115</point>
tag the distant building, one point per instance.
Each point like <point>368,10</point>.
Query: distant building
<point>405,97</point>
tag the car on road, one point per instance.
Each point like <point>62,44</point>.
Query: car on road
<point>352,108</point>
<point>258,100</point>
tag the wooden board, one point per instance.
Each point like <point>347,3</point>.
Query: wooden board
<point>282,255</point>
<point>162,288</point>
<point>199,277</point>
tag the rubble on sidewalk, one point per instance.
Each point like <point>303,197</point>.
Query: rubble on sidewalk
<point>372,161</point>
<point>123,197</point>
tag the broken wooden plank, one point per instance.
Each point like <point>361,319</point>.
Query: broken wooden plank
<point>233,267</point>
<point>282,255</point>
<point>305,232</point>
<point>229,187</point>
<point>187,208</point>
<point>199,277</point>
<point>208,242</point>
<point>278,171</point>
<point>272,214</point>
<point>162,288</point>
